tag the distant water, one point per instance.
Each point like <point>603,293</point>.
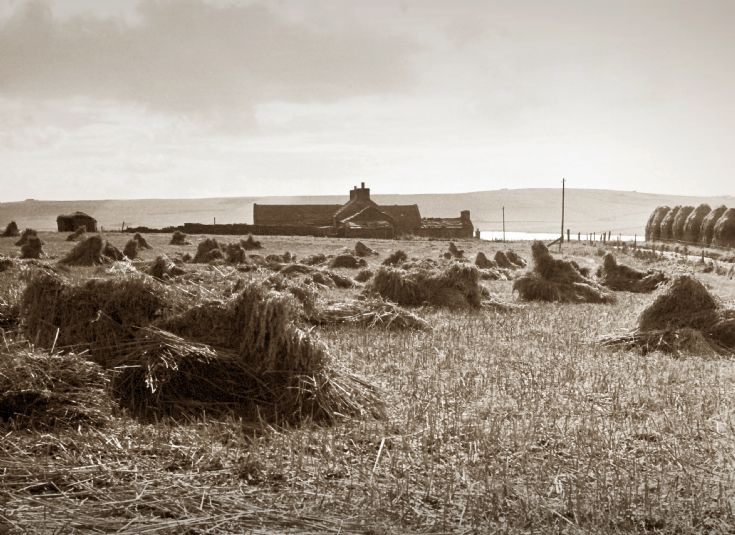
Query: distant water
<point>494,235</point>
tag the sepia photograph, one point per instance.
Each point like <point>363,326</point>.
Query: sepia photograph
<point>367,267</point>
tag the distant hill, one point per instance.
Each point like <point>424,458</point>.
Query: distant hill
<point>536,210</point>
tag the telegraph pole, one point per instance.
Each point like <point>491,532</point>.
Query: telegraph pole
<point>503,224</point>
<point>561,240</point>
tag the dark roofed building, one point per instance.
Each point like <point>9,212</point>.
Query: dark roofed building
<point>312,215</point>
<point>362,217</point>
<point>71,222</point>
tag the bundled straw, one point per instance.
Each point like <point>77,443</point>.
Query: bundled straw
<point>250,243</point>
<point>364,275</point>
<point>78,234</point>
<point>483,262</point>
<point>11,230</point>
<point>347,261</point>
<point>502,260</point>
<point>619,277</point>
<point>395,258</point>
<point>684,317</point>
<point>370,313</point>
<point>363,250</point>
<point>32,247</point>
<point>707,231</point>
<point>693,223</point>
<point>456,286</point>
<point>666,229</point>
<point>142,243</point>
<point>164,268</point>
<point>179,238</point>
<point>516,260</point>
<point>235,253</point>
<point>454,251</point>
<point>680,220</point>
<point>313,260</point>
<point>263,361</point>
<point>112,252</point>
<point>558,280</point>
<point>724,231</point>
<point>208,251</point>
<point>48,391</point>
<point>86,253</point>
<point>27,233</point>
<point>653,226</point>
<point>99,315</point>
<point>131,249</point>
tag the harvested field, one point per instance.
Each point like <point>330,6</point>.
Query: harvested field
<point>622,278</point>
<point>513,420</point>
<point>557,280</point>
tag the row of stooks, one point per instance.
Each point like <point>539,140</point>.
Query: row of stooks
<point>254,354</point>
<point>697,226</point>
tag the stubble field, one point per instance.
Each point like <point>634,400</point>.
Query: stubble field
<point>513,421</point>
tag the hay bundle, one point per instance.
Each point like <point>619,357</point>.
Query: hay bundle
<point>296,269</point>
<point>653,225</point>
<point>347,261</point>
<point>32,247</point>
<point>179,238</point>
<point>693,223</point>
<point>454,251</point>
<point>235,253</point>
<point>112,252</point>
<point>502,260</point>
<point>456,286</point>
<point>208,250</point>
<point>11,230</point>
<point>164,268</point>
<point>86,253</point>
<point>364,275</point>
<point>313,260</point>
<point>680,220</point>
<point>131,249</point>
<point>6,263</point>
<point>724,231</point>
<point>483,262</point>
<point>363,250</point>
<point>41,390</point>
<point>79,234</point>
<point>515,259</point>
<point>667,224</point>
<point>684,317</point>
<point>142,243</point>
<point>263,362</point>
<point>558,280</point>
<point>99,315</point>
<point>707,230</point>
<point>250,243</point>
<point>395,258</point>
<point>27,233</point>
<point>285,258</point>
<point>619,277</point>
<point>371,313</point>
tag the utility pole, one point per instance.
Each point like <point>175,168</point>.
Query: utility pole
<point>503,224</point>
<point>561,240</point>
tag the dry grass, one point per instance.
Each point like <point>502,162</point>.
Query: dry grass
<point>622,278</point>
<point>516,423</point>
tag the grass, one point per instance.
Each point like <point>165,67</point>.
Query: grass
<point>516,422</point>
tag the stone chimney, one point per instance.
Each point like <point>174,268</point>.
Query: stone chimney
<point>464,215</point>
<point>360,194</point>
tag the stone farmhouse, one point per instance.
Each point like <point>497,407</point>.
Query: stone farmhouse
<point>360,217</point>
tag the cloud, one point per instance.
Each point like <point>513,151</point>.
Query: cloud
<point>192,57</point>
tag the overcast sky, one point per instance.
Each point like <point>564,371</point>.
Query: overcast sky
<point>193,98</point>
